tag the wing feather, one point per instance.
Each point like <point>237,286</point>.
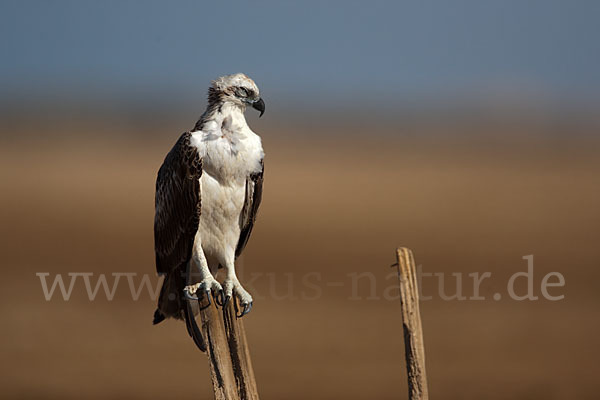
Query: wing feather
<point>254,186</point>
<point>178,206</point>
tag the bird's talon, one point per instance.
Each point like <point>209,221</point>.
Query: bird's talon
<point>219,298</point>
<point>246,310</point>
<point>207,293</point>
<point>189,295</point>
<point>190,291</point>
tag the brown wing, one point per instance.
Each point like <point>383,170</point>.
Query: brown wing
<point>177,203</point>
<point>176,222</point>
<point>254,185</point>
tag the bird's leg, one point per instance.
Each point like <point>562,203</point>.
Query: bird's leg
<point>203,280</point>
<point>231,287</point>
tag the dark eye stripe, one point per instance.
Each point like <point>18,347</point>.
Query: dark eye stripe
<point>243,92</point>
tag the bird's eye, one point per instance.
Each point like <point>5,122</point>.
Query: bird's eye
<point>242,92</point>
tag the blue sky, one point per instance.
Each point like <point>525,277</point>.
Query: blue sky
<point>335,50</point>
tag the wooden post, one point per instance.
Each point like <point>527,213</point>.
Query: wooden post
<point>228,354</point>
<point>411,321</point>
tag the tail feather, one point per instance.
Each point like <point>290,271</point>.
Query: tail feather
<point>158,317</point>
<point>192,326</point>
<point>172,303</point>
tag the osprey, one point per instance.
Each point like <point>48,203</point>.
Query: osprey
<point>208,191</point>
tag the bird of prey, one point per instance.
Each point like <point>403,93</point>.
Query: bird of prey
<point>208,191</point>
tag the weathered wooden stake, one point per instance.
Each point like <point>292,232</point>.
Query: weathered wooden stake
<point>228,354</point>
<point>411,320</point>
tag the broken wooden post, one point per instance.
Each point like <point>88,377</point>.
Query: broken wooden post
<point>411,321</point>
<point>228,354</point>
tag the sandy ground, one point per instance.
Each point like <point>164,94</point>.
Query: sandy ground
<point>333,207</point>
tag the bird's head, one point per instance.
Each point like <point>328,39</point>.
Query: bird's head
<point>237,89</point>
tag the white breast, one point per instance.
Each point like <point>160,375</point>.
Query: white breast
<point>219,218</point>
<point>230,152</point>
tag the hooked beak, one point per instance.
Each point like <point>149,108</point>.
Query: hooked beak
<point>260,106</point>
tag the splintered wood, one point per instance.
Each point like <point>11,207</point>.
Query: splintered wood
<point>228,354</point>
<point>411,322</point>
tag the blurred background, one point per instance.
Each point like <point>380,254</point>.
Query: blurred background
<point>465,130</point>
